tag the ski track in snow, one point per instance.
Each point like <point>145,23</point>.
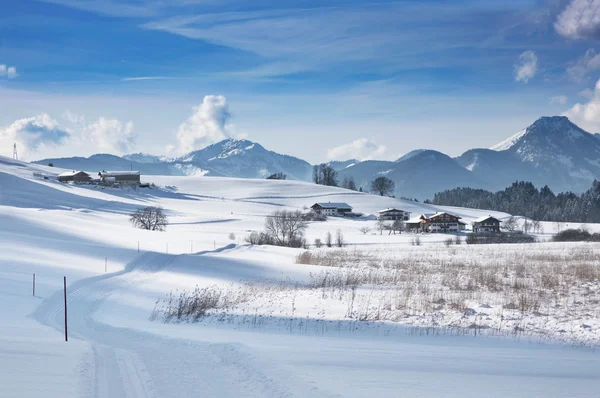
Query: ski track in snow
<point>130,363</point>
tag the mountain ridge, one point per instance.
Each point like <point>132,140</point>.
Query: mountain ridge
<point>552,151</point>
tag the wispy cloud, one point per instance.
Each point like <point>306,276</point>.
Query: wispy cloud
<point>580,19</point>
<point>11,72</point>
<point>526,68</point>
<point>115,8</point>
<point>133,79</point>
<point>588,63</point>
<point>3,69</point>
<point>362,149</point>
<point>558,100</point>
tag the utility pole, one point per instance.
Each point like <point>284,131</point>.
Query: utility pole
<point>15,155</point>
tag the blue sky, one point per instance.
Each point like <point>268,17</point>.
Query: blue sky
<point>315,79</point>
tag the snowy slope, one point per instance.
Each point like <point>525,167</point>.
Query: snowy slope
<point>56,230</point>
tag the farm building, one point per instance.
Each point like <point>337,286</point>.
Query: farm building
<point>486,224</point>
<point>74,176</point>
<point>392,214</point>
<point>120,177</point>
<point>436,222</point>
<point>332,209</point>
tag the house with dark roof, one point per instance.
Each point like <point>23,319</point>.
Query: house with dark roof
<point>486,224</point>
<point>74,176</point>
<point>436,222</point>
<point>332,208</point>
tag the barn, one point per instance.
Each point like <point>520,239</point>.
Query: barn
<point>74,176</point>
<point>120,177</point>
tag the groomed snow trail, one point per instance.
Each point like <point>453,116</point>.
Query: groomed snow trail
<point>132,363</point>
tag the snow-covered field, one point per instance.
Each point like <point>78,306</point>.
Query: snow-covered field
<point>274,343</point>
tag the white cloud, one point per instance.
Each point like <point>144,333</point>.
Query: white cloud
<point>586,93</point>
<point>11,72</point>
<point>558,99</point>
<point>362,149</point>
<point>110,135</point>
<point>73,118</point>
<point>580,19</point>
<point>208,124</point>
<point>2,69</point>
<point>587,115</point>
<point>34,133</point>
<point>589,62</point>
<point>526,68</point>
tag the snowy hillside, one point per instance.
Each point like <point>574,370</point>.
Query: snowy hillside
<point>283,338</point>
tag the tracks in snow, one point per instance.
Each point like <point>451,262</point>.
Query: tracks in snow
<point>131,363</point>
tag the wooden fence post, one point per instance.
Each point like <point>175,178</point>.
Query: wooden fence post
<point>65,290</point>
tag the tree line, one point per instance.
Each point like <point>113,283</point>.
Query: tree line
<point>524,199</point>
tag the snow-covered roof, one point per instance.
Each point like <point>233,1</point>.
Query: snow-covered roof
<point>414,220</point>
<point>391,209</point>
<point>484,218</point>
<point>71,173</point>
<point>334,205</point>
<point>119,173</point>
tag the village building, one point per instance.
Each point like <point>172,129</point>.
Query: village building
<point>392,214</point>
<point>120,177</point>
<point>332,209</point>
<point>74,176</point>
<point>486,224</point>
<point>436,222</point>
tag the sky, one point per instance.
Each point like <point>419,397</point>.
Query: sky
<point>320,80</point>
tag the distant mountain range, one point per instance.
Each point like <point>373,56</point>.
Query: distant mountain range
<point>552,151</point>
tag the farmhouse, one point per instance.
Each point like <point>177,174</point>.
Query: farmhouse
<point>486,224</point>
<point>392,214</point>
<point>120,177</point>
<point>332,209</point>
<point>436,222</point>
<point>74,176</point>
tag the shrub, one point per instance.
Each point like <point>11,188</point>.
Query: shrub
<point>448,242</point>
<point>231,236</point>
<point>318,243</point>
<point>259,238</point>
<point>572,235</point>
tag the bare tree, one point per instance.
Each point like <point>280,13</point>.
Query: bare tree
<point>526,226</point>
<point>365,230</point>
<point>339,238</point>
<point>328,239</point>
<point>511,224</point>
<point>318,243</point>
<point>286,227</point>
<point>150,218</point>
<point>397,226</point>
<point>381,225</point>
<point>325,175</point>
<point>536,226</point>
<point>383,186</point>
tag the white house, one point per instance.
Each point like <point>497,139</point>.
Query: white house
<point>392,214</point>
<point>332,209</point>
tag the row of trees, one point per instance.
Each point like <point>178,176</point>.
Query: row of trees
<point>324,174</point>
<point>524,199</point>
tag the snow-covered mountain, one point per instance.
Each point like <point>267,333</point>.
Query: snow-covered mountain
<point>228,158</point>
<point>552,151</point>
<point>419,174</point>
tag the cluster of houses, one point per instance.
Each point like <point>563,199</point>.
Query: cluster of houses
<point>429,222</point>
<point>104,177</point>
